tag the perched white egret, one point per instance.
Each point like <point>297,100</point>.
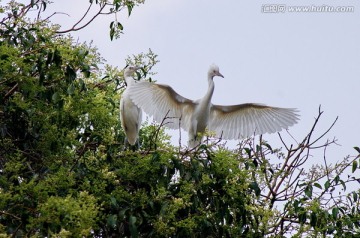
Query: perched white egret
<point>130,114</point>
<point>228,122</point>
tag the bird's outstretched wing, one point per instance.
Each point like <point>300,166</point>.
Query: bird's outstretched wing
<point>160,101</point>
<point>245,120</point>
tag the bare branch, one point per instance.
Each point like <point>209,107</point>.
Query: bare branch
<point>74,28</point>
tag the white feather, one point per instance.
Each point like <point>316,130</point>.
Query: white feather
<point>229,122</point>
<point>130,114</point>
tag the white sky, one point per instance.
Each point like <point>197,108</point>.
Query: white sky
<point>287,59</point>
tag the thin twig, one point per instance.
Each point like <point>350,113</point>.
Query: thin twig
<point>73,28</point>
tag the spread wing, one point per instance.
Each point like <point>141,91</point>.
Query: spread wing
<point>160,101</point>
<point>245,120</point>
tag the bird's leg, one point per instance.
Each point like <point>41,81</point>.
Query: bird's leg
<point>136,146</point>
<point>198,138</point>
<point>194,141</point>
<point>126,144</point>
<point>192,138</point>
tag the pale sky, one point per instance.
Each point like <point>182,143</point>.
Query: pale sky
<point>285,59</point>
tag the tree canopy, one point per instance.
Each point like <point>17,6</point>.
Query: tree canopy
<point>64,171</point>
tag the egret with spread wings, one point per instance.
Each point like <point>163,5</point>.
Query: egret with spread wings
<point>228,122</point>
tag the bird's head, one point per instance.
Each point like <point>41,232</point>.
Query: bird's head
<point>214,71</point>
<point>130,70</point>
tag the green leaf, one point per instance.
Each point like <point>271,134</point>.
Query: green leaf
<point>112,30</point>
<point>113,202</point>
<point>248,151</point>
<point>308,191</point>
<point>71,89</point>
<point>302,217</point>
<point>335,212</point>
<point>317,185</point>
<point>83,53</point>
<point>255,187</point>
<point>164,208</point>
<point>132,227</point>
<point>138,75</point>
<point>144,71</point>
<point>70,73</point>
<point>132,220</point>
<point>82,85</point>
<point>130,6</point>
<point>296,205</point>
<point>313,219</point>
<point>112,220</point>
<point>357,149</point>
<point>122,213</point>
<point>255,163</point>
<point>86,73</point>
<point>269,147</point>
<point>44,5</point>
<point>57,57</point>
<point>120,26</point>
<point>355,196</point>
<point>343,184</point>
<point>327,185</point>
<point>258,148</point>
<point>56,97</point>
<point>354,166</point>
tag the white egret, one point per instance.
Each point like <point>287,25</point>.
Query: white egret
<point>228,122</point>
<point>130,114</point>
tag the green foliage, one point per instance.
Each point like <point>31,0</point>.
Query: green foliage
<point>203,199</point>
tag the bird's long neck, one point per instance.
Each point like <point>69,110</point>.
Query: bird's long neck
<point>207,98</point>
<point>129,80</point>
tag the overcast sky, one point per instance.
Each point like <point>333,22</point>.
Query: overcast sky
<point>285,59</point>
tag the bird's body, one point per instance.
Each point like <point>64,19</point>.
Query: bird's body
<point>228,122</point>
<point>200,116</point>
<point>130,114</point>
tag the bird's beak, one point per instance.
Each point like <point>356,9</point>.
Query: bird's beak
<point>220,75</point>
